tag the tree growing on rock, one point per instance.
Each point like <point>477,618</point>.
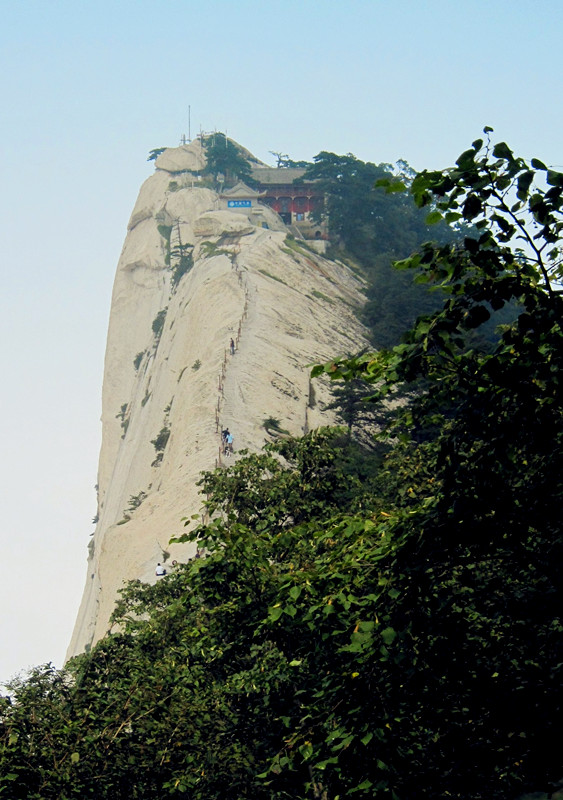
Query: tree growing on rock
<point>226,158</point>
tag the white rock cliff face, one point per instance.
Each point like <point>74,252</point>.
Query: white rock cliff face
<point>285,308</point>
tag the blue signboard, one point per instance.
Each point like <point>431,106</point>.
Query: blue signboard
<point>239,203</point>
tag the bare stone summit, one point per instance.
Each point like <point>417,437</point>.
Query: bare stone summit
<point>192,276</point>
<point>187,158</point>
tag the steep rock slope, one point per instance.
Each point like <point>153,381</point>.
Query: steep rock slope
<point>170,382</point>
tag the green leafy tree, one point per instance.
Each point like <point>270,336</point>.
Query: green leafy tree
<point>377,227</point>
<point>181,258</point>
<point>284,161</point>
<point>157,324</point>
<point>226,158</point>
<point>154,154</point>
<point>190,697</point>
<point>350,402</point>
<point>478,471</point>
<point>159,443</point>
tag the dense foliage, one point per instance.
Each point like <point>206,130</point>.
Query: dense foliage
<point>376,228</point>
<point>225,157</point>
<point>391,633</point>
<point>479,462</point>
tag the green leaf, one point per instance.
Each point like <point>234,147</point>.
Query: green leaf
<point>388,635</point>
<point>472,206</point>
<point>502,150</point>
<point>275,613</point>
<point>433,218</point>
<point>75,758</point>
<point>554,178</point>
<point>306,751</point>
<point>395,187</point>
<point>344,743</point>
<point>466,159</point>
<point>367,784</point>
<point>323,765</point>
<point>503,182</point>
<point>524,183</point>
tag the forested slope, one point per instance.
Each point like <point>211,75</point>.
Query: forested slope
<point>393,632</point>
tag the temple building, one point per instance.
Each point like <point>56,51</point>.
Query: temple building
<point>294,202</point>
<point>240,196</point>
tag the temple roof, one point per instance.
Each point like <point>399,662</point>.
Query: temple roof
<point>277,175</point>
<point>241,190</point>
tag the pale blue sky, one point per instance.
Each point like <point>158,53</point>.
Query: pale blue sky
<point>88,87</point>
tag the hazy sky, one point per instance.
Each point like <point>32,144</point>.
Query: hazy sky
<point>88,87</point>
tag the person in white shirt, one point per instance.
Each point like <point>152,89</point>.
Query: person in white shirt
<point>159,570</point>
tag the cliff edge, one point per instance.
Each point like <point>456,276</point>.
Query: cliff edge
<point>194,274</point>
